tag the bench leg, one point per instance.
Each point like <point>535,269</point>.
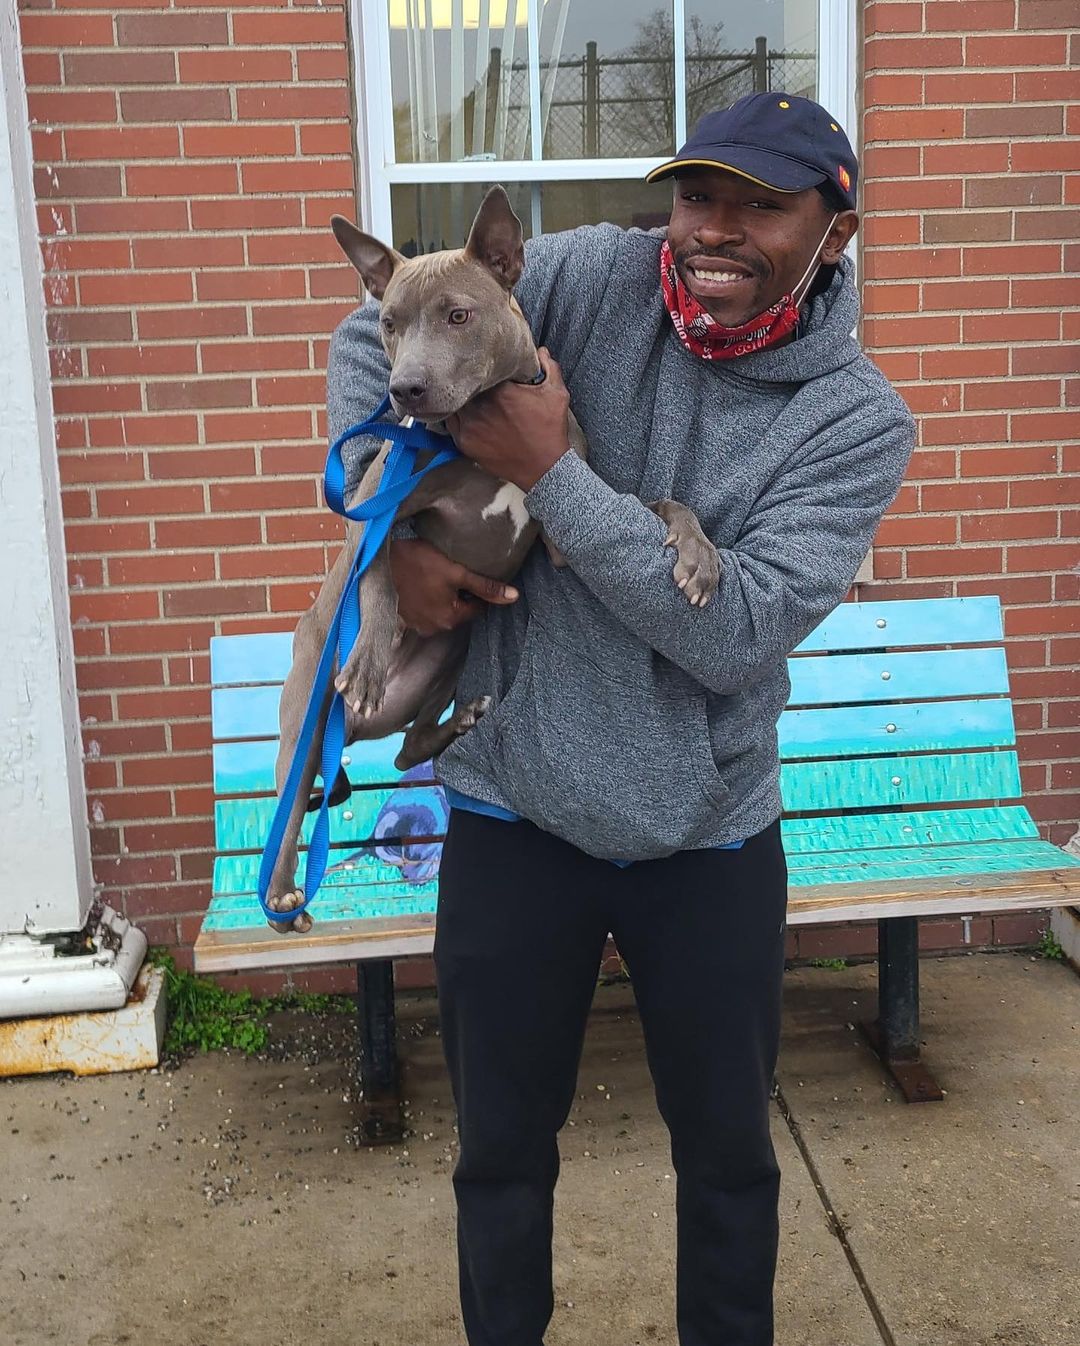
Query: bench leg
<point>381,1120</point>
<point>895,1036</point>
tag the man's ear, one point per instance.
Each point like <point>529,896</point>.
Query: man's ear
<point>840,235</point>
<point>374,260</point>
<point>496,240</point>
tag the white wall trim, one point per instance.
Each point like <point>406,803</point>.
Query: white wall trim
<point>46,881</point>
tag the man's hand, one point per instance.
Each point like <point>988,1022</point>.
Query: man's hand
<point>436,594</point>
<point>517,431</point>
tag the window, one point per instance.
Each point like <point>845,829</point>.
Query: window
<point>568,103</point>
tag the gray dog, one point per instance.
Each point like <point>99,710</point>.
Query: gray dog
<point>395,679</point>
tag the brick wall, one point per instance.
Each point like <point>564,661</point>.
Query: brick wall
<point>187,162</point>
<point>972,301</point>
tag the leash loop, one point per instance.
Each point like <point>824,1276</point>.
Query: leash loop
<point>400,477</point>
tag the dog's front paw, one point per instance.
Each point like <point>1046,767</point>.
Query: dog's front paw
<point>285,902</point>
<point>697,564</point>
<point>362,684</point>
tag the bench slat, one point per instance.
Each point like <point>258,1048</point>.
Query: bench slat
<point>839,679</point>
<point>847,731</point>
<point>908,621</point>
<point>869,782</point>
<point>360,904</point>
<point>263,657</point>
<point>899,861</point>
<point>248,768</point>
<point>931,827</point>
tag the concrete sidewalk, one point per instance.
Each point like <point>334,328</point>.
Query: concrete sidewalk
<point>224,1203</point>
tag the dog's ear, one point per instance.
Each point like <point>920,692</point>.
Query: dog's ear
<point>496,240</point>
<point>374,260</point>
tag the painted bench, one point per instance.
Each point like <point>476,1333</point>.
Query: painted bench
<point>901,791</point>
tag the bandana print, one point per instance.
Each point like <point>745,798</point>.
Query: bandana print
<point>703,336</point>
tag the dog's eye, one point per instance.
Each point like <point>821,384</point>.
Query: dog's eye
<point>387,324</point>
<point>459,316</point>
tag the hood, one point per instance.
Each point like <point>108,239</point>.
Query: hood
<point>826,343</point>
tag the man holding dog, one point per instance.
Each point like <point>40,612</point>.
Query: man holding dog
<point>626,778</point>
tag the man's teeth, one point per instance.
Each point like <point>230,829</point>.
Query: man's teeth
<point>716,275</point>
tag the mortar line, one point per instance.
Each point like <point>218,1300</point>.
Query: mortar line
<point>835,1227</point>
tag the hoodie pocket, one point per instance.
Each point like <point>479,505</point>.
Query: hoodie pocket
<point>621,767</point>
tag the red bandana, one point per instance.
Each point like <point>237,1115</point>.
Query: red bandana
<point>702,335</point>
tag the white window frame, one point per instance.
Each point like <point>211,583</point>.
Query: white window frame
<point>377,170</point>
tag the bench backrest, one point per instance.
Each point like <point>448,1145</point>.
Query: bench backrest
<point>897,709</point>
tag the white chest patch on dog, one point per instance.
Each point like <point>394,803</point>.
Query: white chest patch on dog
<point>509,499</point>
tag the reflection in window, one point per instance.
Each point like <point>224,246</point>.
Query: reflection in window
<point>466,84</point>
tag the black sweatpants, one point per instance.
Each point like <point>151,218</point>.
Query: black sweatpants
<point>522,922</point>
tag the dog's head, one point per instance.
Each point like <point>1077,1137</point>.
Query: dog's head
<point>450,326</point>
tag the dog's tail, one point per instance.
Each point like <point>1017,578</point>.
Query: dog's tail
<point>338,795</point>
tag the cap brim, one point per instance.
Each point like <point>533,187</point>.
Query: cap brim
<point>768,169</point>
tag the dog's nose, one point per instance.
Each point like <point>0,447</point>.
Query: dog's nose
<point>409,392</point>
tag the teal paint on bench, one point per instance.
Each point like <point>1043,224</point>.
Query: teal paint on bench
<point>907,621</point>
<point>858,749</point>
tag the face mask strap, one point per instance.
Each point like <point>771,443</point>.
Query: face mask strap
<point>814,264</point>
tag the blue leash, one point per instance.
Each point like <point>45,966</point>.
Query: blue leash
<point>399,479</point>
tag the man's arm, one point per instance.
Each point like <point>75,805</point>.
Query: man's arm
<point>793,562</point>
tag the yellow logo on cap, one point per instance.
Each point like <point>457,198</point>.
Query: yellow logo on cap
<point>834,126</point>
<point>845,178</point>
<point>785,104</point>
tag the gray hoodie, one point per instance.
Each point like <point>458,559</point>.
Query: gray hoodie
<point>626,721</point>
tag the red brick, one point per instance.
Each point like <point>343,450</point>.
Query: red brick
<point>259,496</point>
<point>906,263</point>
<point>297,104</point>
<point>291,30</point>
<point>68,107</point>
<point>195,251</point>
<point>958,561</point>
<point>969,87</point>
<point>129,217</point>
<point>172,30</point>
<point>258,356</point>
<point>1014,191</point>
<point>1047,556</point>
<point>70,399</point>
<point>108,361</point>
<point>888,90</point>
<point>965,362</point>
<point>332,283</point>
<point>303,175</point>
<point>159,429</point>
<point>330,64</point>
<point>176,105</point>
<point>95,467</point>
<point>214,601</point>
<point>235,66</point>
<point>123,143</point>
<point>250,284</point>
<point>1038,224</point>
<point>964,429</point>
<point>41,67</point>
<point>1011,260</point>
<point>64,181</point>
<point>161,638</point>
<point>1031,426</point>
<point>923,398</point>
<point>256,426</point>
<point>238,142</point>
<point>179,323</point>
<point>136,287</point>
<point>924,532</point>
<point>1040,86</point>
<point>170,836</point>
<point>191,393</point>
<point>914,124</point>
<point>173,769</point>
<point>912,194</point>
<point>298,390</point>
<point>207,532</point>
<point>149,501</point>
<point>964,495</point>
<point>1012,393</point>
<point>61,31</point>
<point>1014,50</point>
<point>912,53</point>
<point>195,179</point>
<point>318,210</point>
<point>293,459</point>
<point>202,464</point>
<point>282,212</point>
<point>930,463</point>
<point>967,227</point>
<point>114,606</point>
<point>98,539</point>
<point>1014,524</point>
<point>1014,589</point>
<point>1059,490</point>
<point>1012,326</point>
<point>1045,359</point>
<point>296,248</point>
<point>292,598</point>
<point>110,68</point>
<point>968,16</point>
<point>327,138</point>
<point>1014,121</point>
<point>1046,14</point>
<point>282,562</point>
<point>1010,462</point>
<point>1054,156</point>
<point>161,568</point>
<point>321,527</point>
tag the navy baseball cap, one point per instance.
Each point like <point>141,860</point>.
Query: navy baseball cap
<point>779,140</point>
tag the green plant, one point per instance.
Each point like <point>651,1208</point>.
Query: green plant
<point>1049,946</point>
<point>833,964</point>
<point>203,1017</point>
<point>312,1002</point>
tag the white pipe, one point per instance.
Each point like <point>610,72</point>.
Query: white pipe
<point>483,61</point>
<point>33,981</point>
<point>506,77</point>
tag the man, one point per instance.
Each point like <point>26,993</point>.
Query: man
<point>716,368</point>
